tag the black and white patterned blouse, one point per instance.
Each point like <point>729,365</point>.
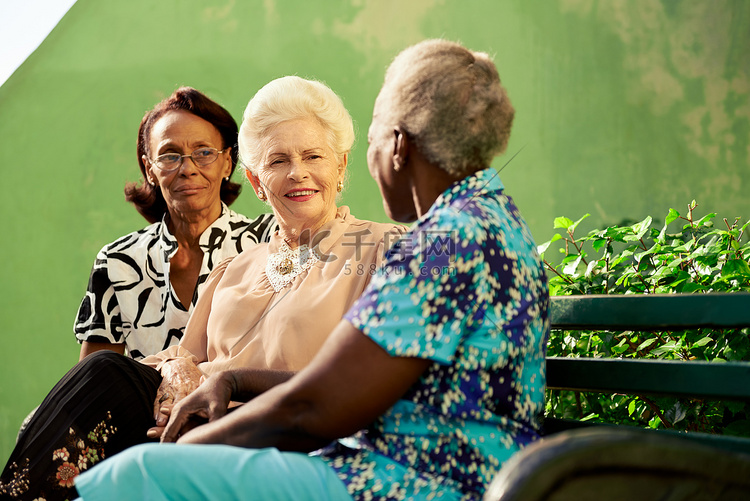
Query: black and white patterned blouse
<point>130,298</point>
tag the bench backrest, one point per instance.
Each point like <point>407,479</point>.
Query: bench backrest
<point>720,381</point>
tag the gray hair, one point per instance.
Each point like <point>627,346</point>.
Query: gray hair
<point>290,98</point>
<point>450,102</point>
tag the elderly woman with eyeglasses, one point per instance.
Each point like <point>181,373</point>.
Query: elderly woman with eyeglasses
<point>144,285</point>
<point>267,310</point>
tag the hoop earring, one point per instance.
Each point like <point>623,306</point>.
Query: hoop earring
<point>340,186</point>
<point>261,194</point>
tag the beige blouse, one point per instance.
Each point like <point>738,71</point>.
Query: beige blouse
<point>241,321</point>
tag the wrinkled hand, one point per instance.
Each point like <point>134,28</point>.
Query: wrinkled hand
<point>180,378</point>
<point>207,403</point>
<point>161,421</point>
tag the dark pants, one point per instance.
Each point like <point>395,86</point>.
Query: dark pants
<point>102,406</point>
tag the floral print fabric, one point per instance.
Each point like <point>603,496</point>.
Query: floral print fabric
<point>80,452</point>
<point>466,289</point>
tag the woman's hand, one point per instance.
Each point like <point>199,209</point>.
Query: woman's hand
<point>349,383</point>
<point>207,403</point>
<point>180,378</point>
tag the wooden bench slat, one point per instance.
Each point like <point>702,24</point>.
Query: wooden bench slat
<point>651,311</point>
<point>716,381</point>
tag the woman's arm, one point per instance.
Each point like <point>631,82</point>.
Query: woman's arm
<point>87,348</point>
<point>93,319</point>
<point>211,399</point>
<point>348,385</point>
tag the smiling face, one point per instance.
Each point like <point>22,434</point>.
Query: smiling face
<point>191,192</point>
<point>299,173</point>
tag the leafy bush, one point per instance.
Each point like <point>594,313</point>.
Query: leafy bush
<point>641,259</point>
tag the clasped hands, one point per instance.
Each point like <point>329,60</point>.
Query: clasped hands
<point>185,399</point>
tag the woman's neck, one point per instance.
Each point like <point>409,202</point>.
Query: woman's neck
<point>428,183</point>
<point>297,234</point>
<point>187,227</point>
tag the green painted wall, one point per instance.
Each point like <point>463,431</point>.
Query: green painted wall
<point>624,109</point>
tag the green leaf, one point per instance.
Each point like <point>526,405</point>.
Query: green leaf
<point>598,243</point>
<point>618,234</point>
<point>686,247</point>
<point>641,228</point>
<point>676,414</point>
<point>543,247</point>
<point>668,347</point>
<point>620,348</point>
<point>706,220</point>
<point>563,222</point>
<point>573,226</point>
<point>570,268</point>
<point>735,267</point>
<point>673,215</point>
<point>590,269</point>
<point>647,343</point>
<point>692,287</point>
<point>703,341</point>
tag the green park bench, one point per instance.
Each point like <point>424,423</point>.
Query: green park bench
<point>582,460</point>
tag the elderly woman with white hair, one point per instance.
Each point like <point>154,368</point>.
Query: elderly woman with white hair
<point>269,309</point>
<point>439,364</point>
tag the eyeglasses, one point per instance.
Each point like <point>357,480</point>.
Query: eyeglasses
<point>202,157</point>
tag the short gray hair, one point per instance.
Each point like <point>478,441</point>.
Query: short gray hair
<point>449,100</point>
<point>290,98</point>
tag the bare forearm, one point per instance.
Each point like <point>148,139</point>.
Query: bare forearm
<point>349,383</point>
<point>249,383</point>
<point>262,423</point>
<point>211,402</point>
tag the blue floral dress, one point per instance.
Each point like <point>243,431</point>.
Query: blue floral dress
<point>464,288</point>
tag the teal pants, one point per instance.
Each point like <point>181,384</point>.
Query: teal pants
<point>209,472</point>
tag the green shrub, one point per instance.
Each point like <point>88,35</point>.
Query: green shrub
<point>640,259</point>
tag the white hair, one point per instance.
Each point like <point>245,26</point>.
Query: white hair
<point>290,98</point>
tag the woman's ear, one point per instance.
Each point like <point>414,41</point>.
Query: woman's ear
<point>228,164</point>
<point>400,149</point>
<point>254,180</point>
<point>343,164</point>
<point>257,185</point>
<point>150,179</point>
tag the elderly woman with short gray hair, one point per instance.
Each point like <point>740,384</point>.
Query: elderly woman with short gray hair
<point>439,364</point>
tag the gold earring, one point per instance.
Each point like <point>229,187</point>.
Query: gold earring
<point>340,186</point>
<point>261,194</point>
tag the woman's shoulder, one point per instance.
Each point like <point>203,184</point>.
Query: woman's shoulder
<point>250,255</point>
<point>376,229</point>
<point>260,227</point>
<point>139,239</point>
<point>385,228</point>
<point>240,219</point>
